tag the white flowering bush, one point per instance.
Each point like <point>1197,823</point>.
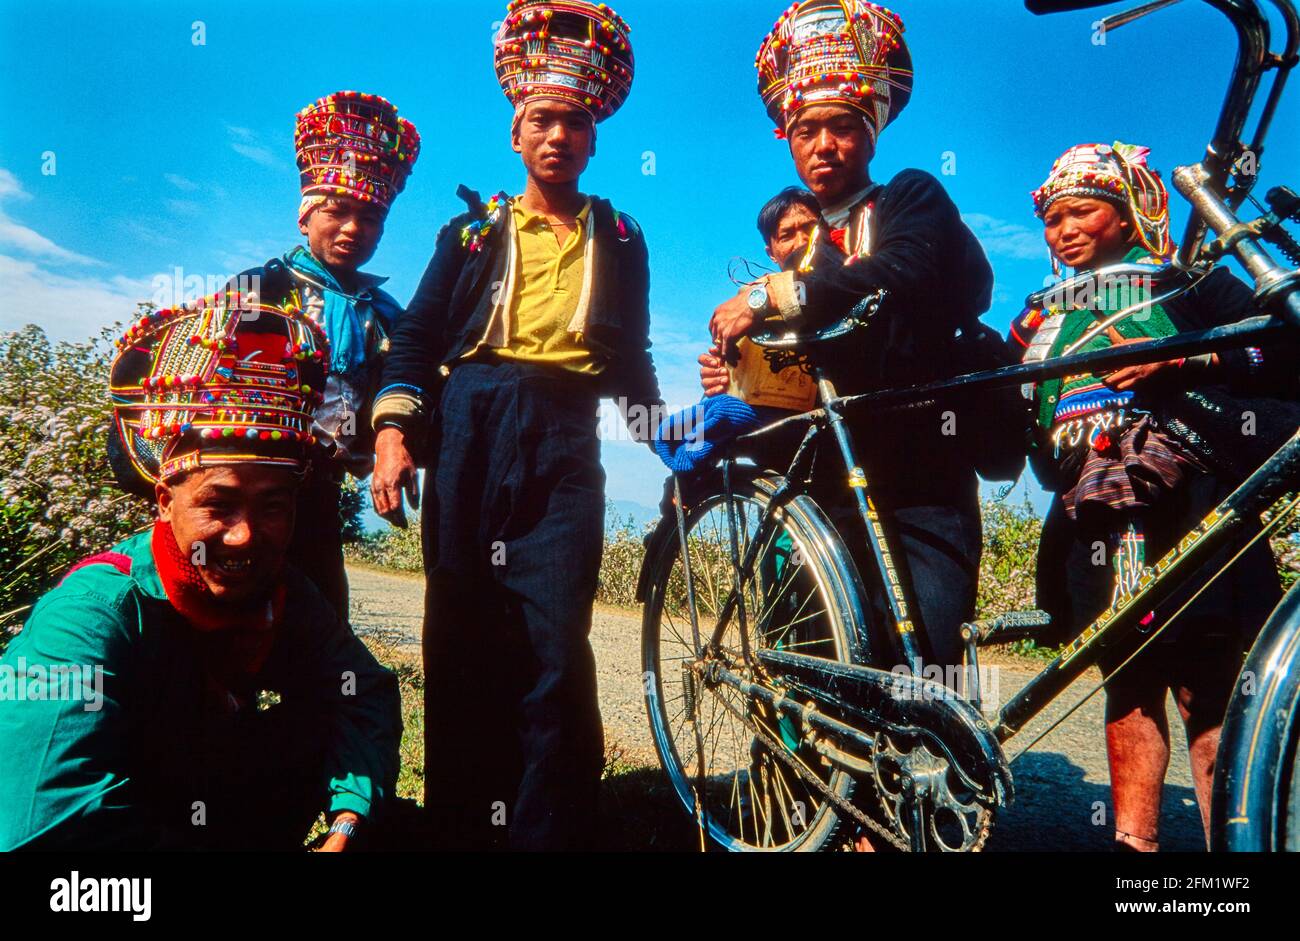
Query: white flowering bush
<point>59,500</point>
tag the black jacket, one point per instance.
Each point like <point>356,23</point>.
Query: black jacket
<point>939,281</point>
<point>450,309</point>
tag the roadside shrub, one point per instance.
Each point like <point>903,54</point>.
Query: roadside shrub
<point>59,500</point>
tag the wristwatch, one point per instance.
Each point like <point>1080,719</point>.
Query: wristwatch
<point>757,298</point>
<point>346,827</point>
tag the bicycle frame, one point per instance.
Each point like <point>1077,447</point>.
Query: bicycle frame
<point>1233,524</point>
<point>1229,521</point>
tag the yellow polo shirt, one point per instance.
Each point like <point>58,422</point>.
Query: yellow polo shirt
<point>546,296</point>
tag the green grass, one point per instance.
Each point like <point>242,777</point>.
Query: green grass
<point>638,809</point>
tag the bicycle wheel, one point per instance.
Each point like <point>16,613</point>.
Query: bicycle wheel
<point>801,597</point>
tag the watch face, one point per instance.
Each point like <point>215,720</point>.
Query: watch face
<point>758,298</point>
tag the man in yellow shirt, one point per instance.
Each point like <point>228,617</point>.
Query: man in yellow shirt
<point>532,308</point>
<point>549,288</point>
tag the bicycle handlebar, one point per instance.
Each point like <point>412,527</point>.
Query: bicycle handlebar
<point>1099,280</point>
<point>858,317</point>
<point>1205,184</point>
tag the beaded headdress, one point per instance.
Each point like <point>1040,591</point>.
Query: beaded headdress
<point>835,52</point>
<point>353,144</point>
<point>1117,173</point>
<point>568,50</point>
<point>215,384</point>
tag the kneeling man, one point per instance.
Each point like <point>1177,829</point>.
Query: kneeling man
<point>187,690</point>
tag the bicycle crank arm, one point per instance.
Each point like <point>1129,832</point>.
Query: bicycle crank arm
<point>896,703</point>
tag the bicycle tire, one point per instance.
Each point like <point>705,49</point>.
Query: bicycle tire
<point>819,570</point>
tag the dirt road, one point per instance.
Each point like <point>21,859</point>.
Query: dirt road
<point>1062,785</point>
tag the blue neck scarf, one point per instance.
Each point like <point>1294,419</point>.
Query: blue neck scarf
<point>342,321</point>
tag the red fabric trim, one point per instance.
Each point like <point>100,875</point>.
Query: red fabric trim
<point>248,631</point>
<point>120,562</point>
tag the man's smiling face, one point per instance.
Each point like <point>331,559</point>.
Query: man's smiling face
<point>344,232</point>
<point>242,515</point>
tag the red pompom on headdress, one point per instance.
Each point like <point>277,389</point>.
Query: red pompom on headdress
<point>835,52</point>
<point>566,50</point>
<point>354,144</point>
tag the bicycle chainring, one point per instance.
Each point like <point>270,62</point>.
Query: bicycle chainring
<point>955,819</point>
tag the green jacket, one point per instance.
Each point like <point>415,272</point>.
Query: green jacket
<point>81,778</point>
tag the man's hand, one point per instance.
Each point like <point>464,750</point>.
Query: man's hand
<point>731,321</point>
<point>713,372</point>
<point>394,475</point>
<point>338,842</point>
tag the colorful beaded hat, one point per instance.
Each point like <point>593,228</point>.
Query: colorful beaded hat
<point>1117,173</point>
<point>835,52</point>
<point>217,384</point>
<point>353,144</point>
<point>568,50</point>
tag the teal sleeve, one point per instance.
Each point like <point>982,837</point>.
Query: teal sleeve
<point>363,702</point>
<point>63,692</point>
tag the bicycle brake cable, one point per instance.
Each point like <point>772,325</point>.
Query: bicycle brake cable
<point>1267,529</point>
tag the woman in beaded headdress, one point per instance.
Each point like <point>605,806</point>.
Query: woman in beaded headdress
<point>1127,479</point>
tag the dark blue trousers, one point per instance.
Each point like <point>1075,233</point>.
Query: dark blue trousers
<point>513,529</point>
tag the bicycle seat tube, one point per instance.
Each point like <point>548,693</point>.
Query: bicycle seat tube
<point>857,482</point>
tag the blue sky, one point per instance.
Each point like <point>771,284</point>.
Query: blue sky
<point>169,154</point>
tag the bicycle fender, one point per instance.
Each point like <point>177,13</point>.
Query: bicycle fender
<point>665,529</point>
<point>1262,720</point>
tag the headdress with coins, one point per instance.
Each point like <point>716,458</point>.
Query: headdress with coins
<point>565,50</point>
<point>1117,173</point>
<point>353,144</point>
<point>835,52</point>
<point>218,383</point>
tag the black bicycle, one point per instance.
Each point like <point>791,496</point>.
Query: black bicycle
<point>770,710</point>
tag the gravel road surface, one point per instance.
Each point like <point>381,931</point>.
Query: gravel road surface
<point>1059,783</point>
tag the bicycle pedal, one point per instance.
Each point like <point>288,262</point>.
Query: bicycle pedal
<point>1008,628</point>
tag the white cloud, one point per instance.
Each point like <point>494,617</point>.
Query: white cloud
<point>1007,239</point>
<point>66,307</point>
<point>246,142</point>
<point>29,241</point>
<point>180,182</point>
<point>183,207</point>
<point>69,306</point>
<point>10,187</point>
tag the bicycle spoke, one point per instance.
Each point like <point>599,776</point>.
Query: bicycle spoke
<point>750,793</point>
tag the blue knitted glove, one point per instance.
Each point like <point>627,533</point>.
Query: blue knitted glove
<point>688,441</point>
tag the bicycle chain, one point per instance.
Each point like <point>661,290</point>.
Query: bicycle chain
<point>780,751</point>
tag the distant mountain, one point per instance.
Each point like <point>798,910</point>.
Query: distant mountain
<point>619,511</point>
